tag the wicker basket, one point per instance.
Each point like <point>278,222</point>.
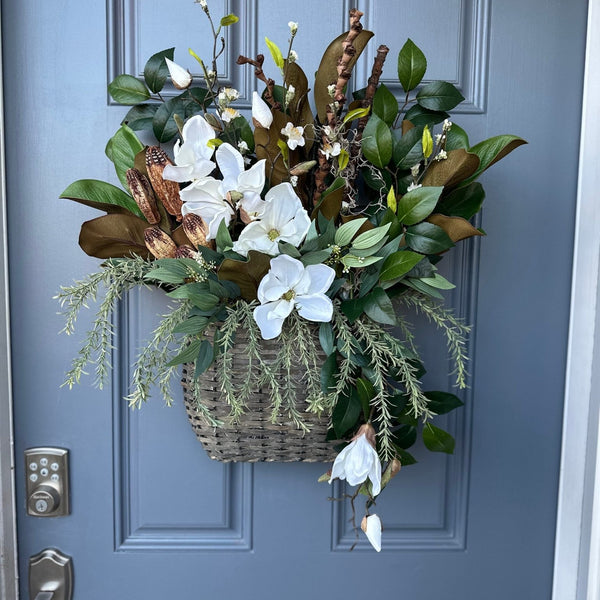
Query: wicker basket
<point>254,438</point>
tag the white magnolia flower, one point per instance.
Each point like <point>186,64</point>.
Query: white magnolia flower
<point>295,135</point>
<point>413,186</point>
<point>180,77</point>
<point>330,149</point>
<point>293,27</point>
<point>208,197</point>
<point>290,284</point>
<point>192,158</point>
<point>371,525</point>
<point>359,460</point>
<point>261,111</point>
<point>229,114</point>
<point>283,218</point>
<point>293,56</point>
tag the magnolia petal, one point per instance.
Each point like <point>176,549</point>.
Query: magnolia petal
<point>255,237</point>
<point>282,192</point>
<point>315,308</point>
<point>252,180</point>
<point>196,133</point>
<point>181,77</point>
<point>375,476</point>
<point>287,270</point>
<point>373,531</point>
<point>253,204</point>
<point>178,173</point>
<point>269,327</point>
<point>231,165</point>
<point>261,111</point>
<point>321,278</point>
<point>338,469</point>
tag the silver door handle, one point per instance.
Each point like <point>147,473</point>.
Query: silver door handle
<point>50,576</point>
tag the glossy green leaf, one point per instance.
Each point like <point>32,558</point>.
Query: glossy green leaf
<point>345,233</point>
<point>140,117</point>
<point>494,149</point>
<point>463,202</point>
<point>326,338</point>
<point>456,138</point>
<point>399,264</point>
<point>385,105</point>
<point>192,326</point>
<point>412,65</point>
<point>122,149</point>
<point>405,458</point>
<point>437,440</point>
<point>328,371</point>
<point>424,288</point>
<point>428,238</point>
<point>377,142</point>
<point>370,238</point>
<point>379,307</point>
<point>418,204</point>
<point>205,357</point>
<point>126,89</point>
<point>188,354</point>
<point>442,402</point>
<point>238,130</point>
<point>164,125</point>
<point>439,95</point>
<point>407,149</point>
<point>101,195</point>
<point>420,116</point>
<point>223,239</point>
<point>405,436</point>
<point>156,70</point>
<point>346,413</point>
<point>366,392</point>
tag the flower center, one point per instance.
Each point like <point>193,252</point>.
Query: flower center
<point>289,295</point>
<point>273,234</point>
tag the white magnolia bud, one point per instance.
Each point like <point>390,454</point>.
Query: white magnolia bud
<point>261,113</point>
<point>181,78</point>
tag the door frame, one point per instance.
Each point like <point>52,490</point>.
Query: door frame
<point>577,551</point>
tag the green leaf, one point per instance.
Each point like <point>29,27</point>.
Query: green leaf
<point>326,338</point>
<point>328,371</point>
<point>346,413</point>
<point>140,117</point>
<point>407,150</point>
<point>156,70</point>
<point>427,142</point>
<point>275,53</point>
<point>420,116</point>
<point>366,392</point>
<point>405,436</point>
<point>385,105</point>
<point>398,264</point>
<point>439,95</point>
<point>352,309</point>
<point>126,89</point>
<point>493,150</point>
<point>121,150</point>
<point>442,402</point>
<point>428,238</point>
<point>228,20</point>
<point>196,293</point>
<point>315,258</point>
<point>164,124</point>
<point>456,138</point>
<point>377,142</point>
<point>369,238</point>
<point>101,195</point>
<point>188,354</point>
<point>437,440</point>
<point>357,113</point>
<point>463,202</point>
<point>438,282</point>
<point>344,235</point>
<point>359,262</point>
<point>406,458</point>
<point>418,204</point>
<point>412,65</point>
<point>206,355</point>
<point>289,249</point>
<point>192,326</point>
<point>421,286</point>
<point>238,131</point>
<point>223,239</point>
<point>379,307</point>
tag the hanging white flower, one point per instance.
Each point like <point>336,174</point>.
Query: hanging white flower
<point>283,218</point>
<point>293,27</point>
<point>371,525</point>
<point>261,113</point>
<point>192,158</point>
<point>295,135</point>
<point>180,77</point>
<point>290,284</point>
<point>229,114</point>
<point>330,149</point>
<point>359,460</point>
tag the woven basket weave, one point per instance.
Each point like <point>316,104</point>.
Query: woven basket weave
<point>254,438</point>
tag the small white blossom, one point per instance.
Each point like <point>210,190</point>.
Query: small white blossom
<point>288,285</point>
<point>331,90</point>
<point>446,125</point>
<point>441,155</point>
<point>413,186</point>
<point>261,113</point>
<point>359,460</point>
<point>438,138</point>
<point>294,180</point>
<point>293,27</point>
<point>330,149</point>
<point>227,96</point>
<point>210,77</point>
<point>203,4</point>
<point>293,56</point>
<point>290,93</point>
<point>295,136</point>
<point>414,170</point>
<point>229,114</point>
<point>180,77</point>
<point>327,131</point>
<point>243,147</point>
<point>371,525</point>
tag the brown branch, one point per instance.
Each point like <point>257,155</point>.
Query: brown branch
<point>373,82</point>
<point>258,71</point>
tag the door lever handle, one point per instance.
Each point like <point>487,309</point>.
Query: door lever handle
<point>50,576</point>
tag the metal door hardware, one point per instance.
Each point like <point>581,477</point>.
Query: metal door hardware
<point>50,576</point>
<point>47,476</point>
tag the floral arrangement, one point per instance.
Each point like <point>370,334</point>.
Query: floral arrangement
<point>318,224</point>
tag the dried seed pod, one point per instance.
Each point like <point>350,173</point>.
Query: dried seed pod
<point>166,191</point>
<point>142,193</point>
<point>159,243</point>
<point>195,229</point>
<point>186,252</point>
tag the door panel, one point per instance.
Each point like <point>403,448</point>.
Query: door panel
<point>152,514</point>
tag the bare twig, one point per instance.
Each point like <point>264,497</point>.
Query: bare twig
<point>258,71</point>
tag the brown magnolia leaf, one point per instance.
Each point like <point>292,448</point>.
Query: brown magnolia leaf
<point>407,126</point>
<point>139,162</point>
<point>265,143</point>
<point>330,205</point>
<point>114,236</point>
<point>247,274</point>
<point>459,165</point>
<point>179,237</point>
<point>457,228</point>
<point>327,73</point>
<point>299,107</point>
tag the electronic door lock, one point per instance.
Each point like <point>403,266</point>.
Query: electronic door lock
<point>47,473</point>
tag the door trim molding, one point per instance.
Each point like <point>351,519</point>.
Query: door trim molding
<point>577,550</point>
<point>8,530</point>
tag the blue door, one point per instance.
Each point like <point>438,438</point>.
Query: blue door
<point>151,515</point>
